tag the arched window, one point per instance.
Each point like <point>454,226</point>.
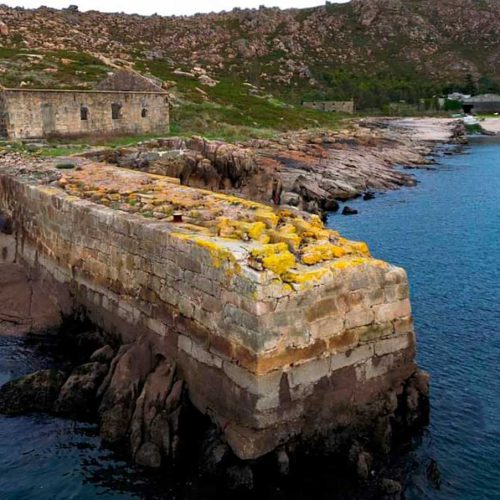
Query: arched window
<point>116,111</point>
<point>144,113</point>
<point>84,113</point>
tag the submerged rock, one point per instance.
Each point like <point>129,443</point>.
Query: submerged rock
<point>434,474</point>
<point>35,392</point>
<point>349,211</point>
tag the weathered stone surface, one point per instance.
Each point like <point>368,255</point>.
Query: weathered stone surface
<point>26,305</point>
<point>304,343</point>
<point>78,394</point>
<point>148,456</point>
<point>118,402</point>
<point>103,355</point>
<point>35,392</point>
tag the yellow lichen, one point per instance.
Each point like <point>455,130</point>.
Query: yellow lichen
<point>349,262</point>
<point>279,263</point>
<point>315,253</point>
<point>292,240</point>
<point>256,231</point>
<point>299,277</point>
<point>268,250</point>
<point>268,217</point>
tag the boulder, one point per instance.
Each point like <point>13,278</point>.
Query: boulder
<point>148,456</point>
<point>78,394</point>
<point>390,489</point>
<point>150,422</point>
<point>35,392</point>
<point>129,373</point>
<point>103,355</point>
<point>349,211</point>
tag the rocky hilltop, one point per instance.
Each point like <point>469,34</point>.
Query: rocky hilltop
<point>402,48</point>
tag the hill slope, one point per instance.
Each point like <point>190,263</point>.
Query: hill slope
<point>374,50</point>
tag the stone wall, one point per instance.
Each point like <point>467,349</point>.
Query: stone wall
<point>42,113</point>
<point>332,106</point>
<point>268,360</point>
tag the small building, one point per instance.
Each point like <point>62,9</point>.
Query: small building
<point>124,103</point>
<point>331,106</point>
<point>485,103</point>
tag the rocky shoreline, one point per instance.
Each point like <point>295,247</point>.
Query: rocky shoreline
<point>141,406</point>
<point>308,170</point>
<point>139,399</point>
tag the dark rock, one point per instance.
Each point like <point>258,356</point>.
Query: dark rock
<point>103,355</point>
<point>434,474</point>
<point>152,402</point>
<point>159,433</point>
<point>118,402</point>
<point>78,394</point>
<point>331,205</point>
<point>115,422</point>
<point>349,211</point>
<point>214,452</point>
<point>35,392</point>
<point>283,461</point>
<point>240,477</point>
<point>369,196</point>
<point>364,464</point>
<point>174,398</point>
<point>390,488</point>
<point>148,456</point>
<point>382,436</point>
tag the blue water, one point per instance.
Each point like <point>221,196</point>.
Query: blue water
<point>446,233</point>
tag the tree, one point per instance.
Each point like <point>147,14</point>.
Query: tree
<point>470,86</point>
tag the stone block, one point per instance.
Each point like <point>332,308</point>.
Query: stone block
<point>403,325</point>
<point>394,293</point>
<point>395,275</point>
<point>260,385</point>
<point>358,355</point>
<point>309,372</point>
<point>358,317</point>
<point>378,366</point>
<point>392,311</point>
<point>394,344</point>
<point>324,308</point>
<point>375,331</point>
<point>327,327</point>
<point>203,356</point>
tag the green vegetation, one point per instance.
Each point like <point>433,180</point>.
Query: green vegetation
<point>474,129</point>
<point>232,110</point>
<point>54,69</point>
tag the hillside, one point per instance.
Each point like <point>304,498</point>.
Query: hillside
<point>372,49</point>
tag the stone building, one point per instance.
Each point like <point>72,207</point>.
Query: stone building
<point>124,103</point>
<point>331,106</point>
<point>485,103</point>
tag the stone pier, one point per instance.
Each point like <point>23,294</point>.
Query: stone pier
<point>282,329</point>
